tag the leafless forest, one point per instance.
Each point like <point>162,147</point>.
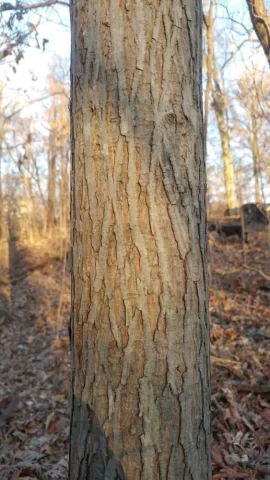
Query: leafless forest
<point>35,246</point>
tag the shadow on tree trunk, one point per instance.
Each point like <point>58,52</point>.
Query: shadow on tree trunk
<point>91,457</point>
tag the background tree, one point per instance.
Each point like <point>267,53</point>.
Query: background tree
<point>261,22</point>
<point>140,407</point>
<point>58,148</point>
<point>35,149</point>
<point>208,64</point>
<point>220,107</point>
<point>1,144</point>
<point>251,127</point>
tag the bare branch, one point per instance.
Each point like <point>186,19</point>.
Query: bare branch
<point>8,117</point>
<point>267,277</point>
<point>7,7</point>
<point>8,50</point>
<point>244,266</point>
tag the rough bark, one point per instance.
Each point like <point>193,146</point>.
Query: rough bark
<point>261,24</point>
<point>139,327</point>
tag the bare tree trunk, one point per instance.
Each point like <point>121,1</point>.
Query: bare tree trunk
<point>139,329</point>
<point>1,186</point>
<point>208,21</point>
<point>256,170</point>
<point>64,188</point>
<point>37,179</point>
<point>51,215</point>
<point>261,23</point>
<point>254,147</point>
<point>219,105</point>
<point>228,170</point>
<point>1,196</point>
<point>29,222</point>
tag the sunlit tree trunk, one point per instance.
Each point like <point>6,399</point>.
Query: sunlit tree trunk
<point>254,147</point>
<point>256,170</point>
<point>52,154</point>
<point>64,186</point>
<point>209,58</point>
<point>139,330</point>
<point>208,67</point>
<point>220,108</point>
<point>1,196</point>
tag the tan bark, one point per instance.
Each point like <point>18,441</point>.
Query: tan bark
<point>261,23</point>
<point>139,330</point>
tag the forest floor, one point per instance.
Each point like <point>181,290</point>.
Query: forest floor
<point>35,359</point>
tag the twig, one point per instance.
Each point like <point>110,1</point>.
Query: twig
<point>244,266</point>
<point>231,365</point>
<point>29,269</point>
<point>267,277</point>
<point>18,7</point>
<point>8,314</point>
<point>258,468</point>
<point>228,272</point>
<point>245,387</point>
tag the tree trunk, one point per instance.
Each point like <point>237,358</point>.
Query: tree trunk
<point>219,105</point>
<point>255,147</point>
<point>220,108</point>
<point>64,187</point>
<point>139,328</point>
<point>261,24</point>
<point>51,216</point>
<point>209,58</point>
<point>256,170</point>
<point>1,196</point>
<point>2,133</point>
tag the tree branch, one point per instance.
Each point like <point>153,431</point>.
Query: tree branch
<point>7,7</point>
